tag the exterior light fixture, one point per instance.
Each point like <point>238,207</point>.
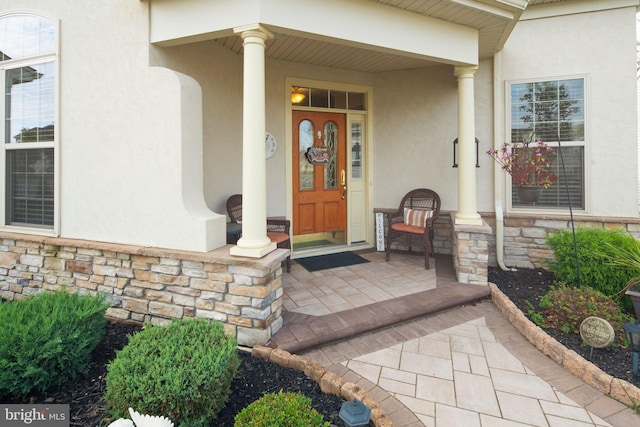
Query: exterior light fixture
<point>297,95</point>
<point>354,413</point>
<point>633,292</point>
<point>455,150</point>
<point>632,331</point>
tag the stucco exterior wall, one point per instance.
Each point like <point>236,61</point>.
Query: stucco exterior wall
<point>128,133</point>
<point>134,137</point>
<point>219,73</point>
<point>415,124</point>
<point>597,46</point>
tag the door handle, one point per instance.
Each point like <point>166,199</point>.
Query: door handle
<point>343,178</point>
<point>344,193</point>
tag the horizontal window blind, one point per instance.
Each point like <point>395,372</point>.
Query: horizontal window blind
<point>553,111</point>
<point>568,188</point>
<point>30,183</point>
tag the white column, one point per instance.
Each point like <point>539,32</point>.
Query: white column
<point>467,197</point>
<point>254,242</point>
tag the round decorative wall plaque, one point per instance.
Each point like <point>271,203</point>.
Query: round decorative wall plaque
<point>271,145</point>
<point>597,332</point>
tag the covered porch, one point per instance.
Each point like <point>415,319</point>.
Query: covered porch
<point>382,48</point>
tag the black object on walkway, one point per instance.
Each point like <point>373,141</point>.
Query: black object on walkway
<point>324,262</point>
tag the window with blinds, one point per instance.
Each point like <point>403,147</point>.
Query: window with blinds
<point>553,111</point>
<point>28,68</point>
<point>30,186</point>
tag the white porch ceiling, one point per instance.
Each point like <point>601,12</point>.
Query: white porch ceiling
<point>494,20</point>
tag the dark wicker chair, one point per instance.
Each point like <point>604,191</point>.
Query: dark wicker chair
<point>277,229</point>
<point>412,225</point>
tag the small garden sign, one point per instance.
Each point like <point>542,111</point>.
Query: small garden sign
<point>597,332</point>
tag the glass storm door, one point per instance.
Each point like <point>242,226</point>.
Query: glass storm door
<point>319,177</point>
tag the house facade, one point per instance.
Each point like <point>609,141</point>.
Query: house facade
<point>129,123</point>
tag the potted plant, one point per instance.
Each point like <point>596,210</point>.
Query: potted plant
<point>528,164</point>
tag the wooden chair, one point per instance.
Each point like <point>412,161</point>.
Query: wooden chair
<point>412,224</point>
<point>277,229</point>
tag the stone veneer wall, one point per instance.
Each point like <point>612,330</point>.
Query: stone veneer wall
<point>151,284</point>
<point>442,243</point>
<point>471,251</point>
<point>156,285</point>
<point>474,247</point>
<point>524,235</point>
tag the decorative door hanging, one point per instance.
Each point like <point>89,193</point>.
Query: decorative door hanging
<point>318,155</point>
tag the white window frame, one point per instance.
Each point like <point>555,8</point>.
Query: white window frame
<point>17,63</point>
<point>584,144</point>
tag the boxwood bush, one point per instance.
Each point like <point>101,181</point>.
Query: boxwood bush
<point>48,338</point>
<point>594,250</point>
<point>284,409</point>
<point>182,371</point>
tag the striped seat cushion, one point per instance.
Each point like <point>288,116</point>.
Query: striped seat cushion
<point>417,217</point>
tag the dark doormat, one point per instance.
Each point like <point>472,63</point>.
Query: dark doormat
<point>323,262</point>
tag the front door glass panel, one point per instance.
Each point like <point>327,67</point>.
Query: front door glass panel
<point>305,131</point>
<point>330,172</point>
<point>356,150</point>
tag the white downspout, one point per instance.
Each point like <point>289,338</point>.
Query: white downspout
<point>498,132</point>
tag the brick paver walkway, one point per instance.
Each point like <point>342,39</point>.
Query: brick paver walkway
<point>463,365</point>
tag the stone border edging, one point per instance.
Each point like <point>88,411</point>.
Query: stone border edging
<point>618,389</point>
<point>328,381</point>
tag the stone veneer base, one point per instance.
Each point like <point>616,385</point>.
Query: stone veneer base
<point>145,284</point>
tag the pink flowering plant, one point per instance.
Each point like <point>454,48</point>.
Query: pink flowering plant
<point>528,164</point>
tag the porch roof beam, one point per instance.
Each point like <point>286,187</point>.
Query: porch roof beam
<point>349,22</point>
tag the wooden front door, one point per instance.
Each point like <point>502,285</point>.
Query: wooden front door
<point>319,173</point>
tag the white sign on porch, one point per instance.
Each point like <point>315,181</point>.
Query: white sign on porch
<point>380,231</point>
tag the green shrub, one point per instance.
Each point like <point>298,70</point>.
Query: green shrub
<point>564,308</point>
<point>627,258</point>
<point>535,316</point>
<point>283,409</point>
<point>182,371</point>
<point>594,248</point>
<point>48,338</point>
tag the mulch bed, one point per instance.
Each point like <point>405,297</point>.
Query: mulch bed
<point>528,286</point>
<point>255,377</point>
